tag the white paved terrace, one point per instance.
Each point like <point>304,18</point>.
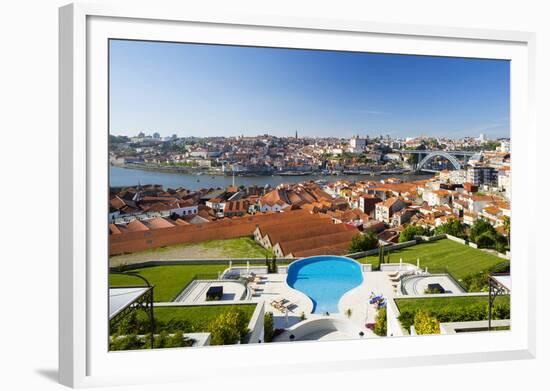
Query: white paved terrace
<point>273,287</point>
<point>357,299</point>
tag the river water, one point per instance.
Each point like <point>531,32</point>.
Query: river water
<point>121,177</point>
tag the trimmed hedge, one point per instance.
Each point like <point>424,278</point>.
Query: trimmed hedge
<point>463,313</point>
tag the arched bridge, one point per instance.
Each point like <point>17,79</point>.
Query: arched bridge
<point>427,156</point>
<point>454,161</point>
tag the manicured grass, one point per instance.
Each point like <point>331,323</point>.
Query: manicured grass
<point>430,304</point>
<point>199,317</point>
<point>244,247</point>
<point>458,259</point>
<point>237,248</point>
<point>168,280</point>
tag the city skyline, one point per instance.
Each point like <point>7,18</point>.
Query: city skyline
<point>181,89</point>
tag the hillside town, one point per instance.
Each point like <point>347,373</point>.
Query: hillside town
<point>268,155</point>
<point>322,216</point>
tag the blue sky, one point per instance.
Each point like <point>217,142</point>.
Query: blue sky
<point>213,90</point>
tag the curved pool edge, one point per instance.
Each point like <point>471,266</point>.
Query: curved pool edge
<point>288,268</point>
<point>311,304</point>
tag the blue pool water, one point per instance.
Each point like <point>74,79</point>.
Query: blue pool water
<point>324,279</point>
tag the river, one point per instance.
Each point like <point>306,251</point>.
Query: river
<point>121,177</point>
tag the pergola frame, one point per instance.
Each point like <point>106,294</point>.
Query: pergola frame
<point>496,288</point>
<point>142,302</point>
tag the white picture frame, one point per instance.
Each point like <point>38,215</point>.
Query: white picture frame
<point>84,30</point>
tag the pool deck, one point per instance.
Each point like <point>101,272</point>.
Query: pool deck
<point>274,287</point>
<point>357,299</point>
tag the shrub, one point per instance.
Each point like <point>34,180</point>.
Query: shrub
<point>411,231</point>
<point>162,340</point>
<point>406,318</point>
<point>268,327</point>
<point>229,328</point>
<point>126,342</point>
<point>424,323</point>
<point>381,323</point>
<point>133,323</point>
<point>478,282</point>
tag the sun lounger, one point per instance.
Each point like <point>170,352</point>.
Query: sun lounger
<point>277,303</point>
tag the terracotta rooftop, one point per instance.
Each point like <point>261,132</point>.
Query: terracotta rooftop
<point>135,226</point>
<point>236,206</point>
<point>297,246</point>
<point>158,223</point>
<point>302,229</point>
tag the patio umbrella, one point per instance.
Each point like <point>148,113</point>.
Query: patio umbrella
<point>418,263</point>
<point>400,263</point>
<point>230,264</point>
<point>247,266</point>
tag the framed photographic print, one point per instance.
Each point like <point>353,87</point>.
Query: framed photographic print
<point>290,195</point>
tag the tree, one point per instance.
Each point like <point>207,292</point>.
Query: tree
<point>363,242</point>
<point>380,256</point>
<point>118,139</point>
<point>453,227</point>
<point>485,240</point>
<point>501,243</point>
<point>506,226</point>
<point>229,328</point>
<point>268,327</point>
<point>480,227</point>
<point>411,231</point>
<point>424,323</point>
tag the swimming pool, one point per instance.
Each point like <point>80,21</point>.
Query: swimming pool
<point>325,279</point>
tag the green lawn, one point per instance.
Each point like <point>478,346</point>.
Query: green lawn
<point>458,259</point>
<point>199,317</point>
<point>244,247</point>
<point>237,248</point>
<point>168,280</point>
